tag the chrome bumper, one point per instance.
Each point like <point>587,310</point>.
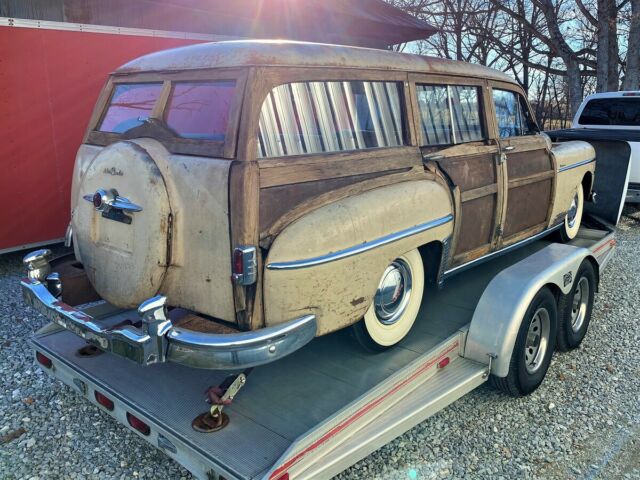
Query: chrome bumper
<point>158,341</point>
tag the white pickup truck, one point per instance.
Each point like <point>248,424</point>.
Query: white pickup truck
<point>615,114</point>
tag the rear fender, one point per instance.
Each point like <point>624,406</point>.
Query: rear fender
<point>329,262</point>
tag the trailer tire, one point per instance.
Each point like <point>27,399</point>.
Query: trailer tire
<point>573,219</point>
<point>388,320</point>
<point>574,309</point>
<point>533,349</point>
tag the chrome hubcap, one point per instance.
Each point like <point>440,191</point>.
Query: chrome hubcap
<point>573,211</point>
<point>393,292</point>
<point>580,303</point>
<point>537,340</point>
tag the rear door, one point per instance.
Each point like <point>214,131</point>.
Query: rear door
<point>528,166</point>
<point>454,136</point>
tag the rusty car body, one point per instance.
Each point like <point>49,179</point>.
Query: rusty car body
<point>247,196</point>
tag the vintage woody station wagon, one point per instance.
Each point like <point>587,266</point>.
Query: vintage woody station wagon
<point>248,196</point>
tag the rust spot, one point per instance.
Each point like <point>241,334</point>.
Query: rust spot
<point>357,301</point>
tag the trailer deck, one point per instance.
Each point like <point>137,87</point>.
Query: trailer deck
<point>315,412</point>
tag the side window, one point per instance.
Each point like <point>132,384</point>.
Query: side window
<point>316,117</point>
<point>512,114</point>
<point>449,114</point>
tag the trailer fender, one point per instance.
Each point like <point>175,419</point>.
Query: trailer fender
<point>498,315</point>
<point>329,262</point>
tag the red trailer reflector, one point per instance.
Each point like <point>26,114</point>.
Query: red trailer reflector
<point>44,360</point>
<point>444,362</point>
<point>103,400</point>
<point>138,424</point>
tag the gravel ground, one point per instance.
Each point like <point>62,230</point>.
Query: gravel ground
<point>584,422</point>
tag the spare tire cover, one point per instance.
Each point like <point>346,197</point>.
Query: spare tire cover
<point>126,263</point>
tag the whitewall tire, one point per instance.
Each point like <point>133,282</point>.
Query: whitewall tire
<point>395,305</point>
<point>573,218</point>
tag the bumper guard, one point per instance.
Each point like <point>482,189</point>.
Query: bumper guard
<point>158,340</point>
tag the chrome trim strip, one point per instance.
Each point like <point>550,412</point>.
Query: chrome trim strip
<point>152,344</point>
<point>497,253</point>
<point>108,29</point>
<point>357,249</point>
<point>575,165</point>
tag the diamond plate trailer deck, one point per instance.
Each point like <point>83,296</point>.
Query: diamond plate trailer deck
<point>321,409</point>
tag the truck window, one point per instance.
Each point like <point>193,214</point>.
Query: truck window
<point>130,105</point>
<point>200,109</point>
<point>449,114</point>
<point>624,111</point>
<point>315,117</point>
<point>512,114</point>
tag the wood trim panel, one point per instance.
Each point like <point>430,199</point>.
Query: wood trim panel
<point>416,173</point>
<point>536,177</point>
<point>243,220</point>
<point>457,221</point>
<point>315,167</point>
<point>479,192</point>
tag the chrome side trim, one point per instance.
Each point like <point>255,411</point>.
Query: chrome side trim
<point>363,247</point>
<point>575,165</point>
<point>158,341</point>
<point>497,253</point>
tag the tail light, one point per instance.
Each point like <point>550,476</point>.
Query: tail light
<point>44,360</point>
<point>444,362</point>
<point>138,424</point>
<point>245,265</point>
<point>103,400</point>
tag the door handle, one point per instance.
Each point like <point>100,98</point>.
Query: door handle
<point>434,157</point>
<point>510,148</point>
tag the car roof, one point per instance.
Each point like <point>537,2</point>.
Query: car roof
<point>244,53</point>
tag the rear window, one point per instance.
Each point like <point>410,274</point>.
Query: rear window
<point>611,111</point>
<point>200,109</point>
<point>131,104</point>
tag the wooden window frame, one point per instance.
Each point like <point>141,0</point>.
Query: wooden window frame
<point>177,145</point>
<point>265,79</point>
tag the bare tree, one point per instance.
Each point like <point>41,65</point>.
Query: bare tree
<point>632,74</point>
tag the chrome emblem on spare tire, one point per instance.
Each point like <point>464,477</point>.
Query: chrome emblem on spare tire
<point>112,205</point>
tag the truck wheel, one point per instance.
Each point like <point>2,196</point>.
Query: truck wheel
<point>574,309</point>
<point>573,218</point>
<point>533,349</point>
<point>395,305</point>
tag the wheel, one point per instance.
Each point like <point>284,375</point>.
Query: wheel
<point>573,218</point>
<point>533,349</point>
<point>395,304</point>
<point>574,309</point>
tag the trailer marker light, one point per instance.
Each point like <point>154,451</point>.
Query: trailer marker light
<point>103,400</point>
<point>44,360</point>
<point>444,362</point>
<point>138,424</point>
<point>284,476</point>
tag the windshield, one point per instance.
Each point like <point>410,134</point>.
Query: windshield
<point>621,111</point>
<point>131,104</point>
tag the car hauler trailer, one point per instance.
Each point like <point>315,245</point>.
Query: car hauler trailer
<point>319,410</point>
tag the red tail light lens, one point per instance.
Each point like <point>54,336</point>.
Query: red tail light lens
<point>238,265</point>
<point>103,400</point>
<point>444,362</point>
<point>138,424</point>
<point>44,360</point>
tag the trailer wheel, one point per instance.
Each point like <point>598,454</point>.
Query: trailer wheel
<point>395,305</point>
<point>572,220</point>
<point>533,349</point>
<point>574,309</point>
